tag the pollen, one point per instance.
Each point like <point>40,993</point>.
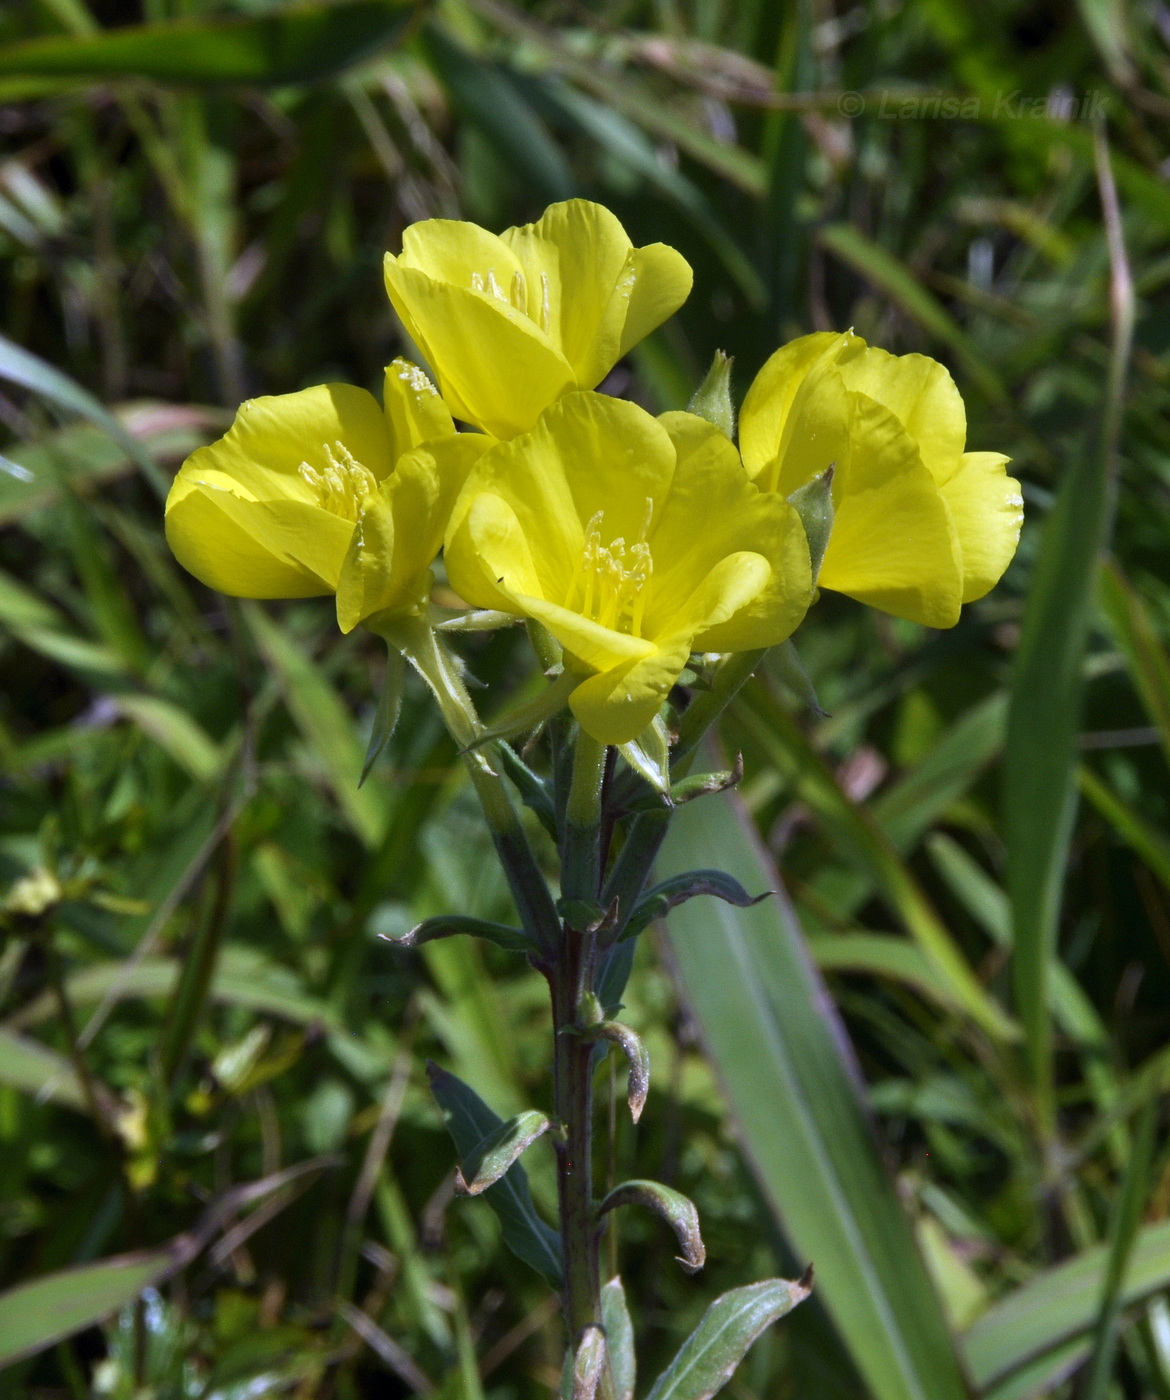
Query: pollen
<point>343,485</point>
<point>609,586</point>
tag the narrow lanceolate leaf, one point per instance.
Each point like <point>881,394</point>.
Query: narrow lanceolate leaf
<point>515,940</point>
<point>33,1068</point>
<point>299,46</point>
<point>389,708</point>
<point>637,1057</point>
<point>487,1162</point>
<point>469,1121</point>
<point>706,1360</point>
<point>619,1339</point>
<point>1030,1326</point>
<point>786,1067</point>
<point>1145,654</point>
<point>660,899</point>
<point>35,1315</point>
<point>676,1209</point>
<point>588,1364</point>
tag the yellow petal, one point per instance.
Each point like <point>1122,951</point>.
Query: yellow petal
<point>487,553</point>
<point>660,281</point>
<point>615,706</point>
<point>413,407</point>
<point>988,510</point>
<point>768,407</point>
<point>229,556</point>
<point>714,512</point>
<point>364,585</point>
<point>495,368</point>
<point>922,396</point>
<point>462,253</point>
<point>573,258</point>
<point>893,543</point>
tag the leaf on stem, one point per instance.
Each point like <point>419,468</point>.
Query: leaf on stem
<point>619,1339</point>
<point>637,1056</point>
<point>706,1360</point>
<point>514,940</point>
<point>589,1364</point>
<point>523,719</point>
<point>469,1121</point>
<point>389,708</point>
<point>659,900</point>
<point>494,1154</point>
<point>676,1209</point>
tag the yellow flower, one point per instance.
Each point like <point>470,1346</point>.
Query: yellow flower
<point>922,526</point>
<point>635,541</point>
<point>509,324</point>
<point>320,492</point>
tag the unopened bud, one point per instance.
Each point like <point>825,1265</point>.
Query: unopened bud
<point>712,399</point>
<point>814,504</point>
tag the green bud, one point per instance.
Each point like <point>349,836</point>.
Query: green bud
<point>712,399</point>
<point>814,504</point>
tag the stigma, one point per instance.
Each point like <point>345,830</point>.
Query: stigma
<point>610,582</point>
<point>343,485</point>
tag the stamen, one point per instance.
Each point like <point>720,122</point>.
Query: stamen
<point>545,319</point>
<point>613,577</point>
<point>343,485</point>
<point>477,282</point>
<point>519,292</point>
<point>493,286</point>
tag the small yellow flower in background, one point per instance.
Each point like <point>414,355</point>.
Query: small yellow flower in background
<point>921,526</point>
<point>508,324</point>
<point>320,492</point>
<point>635,541</point>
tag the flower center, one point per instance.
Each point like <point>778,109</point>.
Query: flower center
<point>343,485</point>
<point>517,295</point>
<point>611,579</point>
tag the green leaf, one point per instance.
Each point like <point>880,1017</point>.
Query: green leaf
<point>1145,655</point>
<point>1131,826</point>
<point>897,959</point>
<point>707,1359</point>
<point>660,899</point>
<point>672,1206</point>
<point>33,1068</point>
<point>469,1121</point>
<point>301,45</point>
<point>588,1364</point>
<point>35,1315</point>
<point>20,366</point>
<point>619,1339</point>
<point>387,712</point>
<point>783,1058</point>
<point>1032,1323</point>
<point>515,940</point>
<point>637,1058</point>
<point>176,732</point>
<point>495,1153</point>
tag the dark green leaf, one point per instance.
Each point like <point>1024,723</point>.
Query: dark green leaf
<point>494,1154</point>
<point>619,1339</point>
<point>660,899</point>
<point>676,1209</point>
<point>515,940</point>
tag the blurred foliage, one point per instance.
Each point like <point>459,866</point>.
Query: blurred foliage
<point>192,987</point>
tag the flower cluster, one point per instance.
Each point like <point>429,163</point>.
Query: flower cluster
<point>634,540</point>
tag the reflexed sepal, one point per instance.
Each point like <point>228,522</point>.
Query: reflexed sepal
<point>814,504</point>
<point>469,1120</point>
<point>785,664</point>
<point>476,620</point>
<point>649,756</point>
<point>584,1380</point>
<point>706,1360</point>
<point>531,715</point>
<point>696,785</point>
<point>676,1209</point>
<point>660,899</point>
<point>493,1155</point>
<point>619,1339</point>
<point>515,940</point>
<point>637,1057</point>
<point>712,399</point>
<point>389,707</point>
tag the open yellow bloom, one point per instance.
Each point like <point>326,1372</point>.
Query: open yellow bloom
<point>635,541</point>
<point>922,526</point>
<point>320,492</point>
<point>508,324</point>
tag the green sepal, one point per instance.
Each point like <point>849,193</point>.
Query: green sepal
<point>672,1206</point>
<point>469,1120</point>
<point>813,502</point>
<point>706,1360</point>
<point>785,664</point>
<point>388,710</point>
<point>533,790</point>
<point>712,399</point>
<point>487,1162</point>
<point>696,785</point>
<point>532,714</point>
<point>619,1339</point>
<point>660,899</point>
<point>649,756</point>
<point>514,940</point>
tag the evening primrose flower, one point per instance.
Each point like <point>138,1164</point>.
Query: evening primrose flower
<point>508,324</point>
<point>921,526</point>
<point>635,541</point>
<point>323,491</point>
